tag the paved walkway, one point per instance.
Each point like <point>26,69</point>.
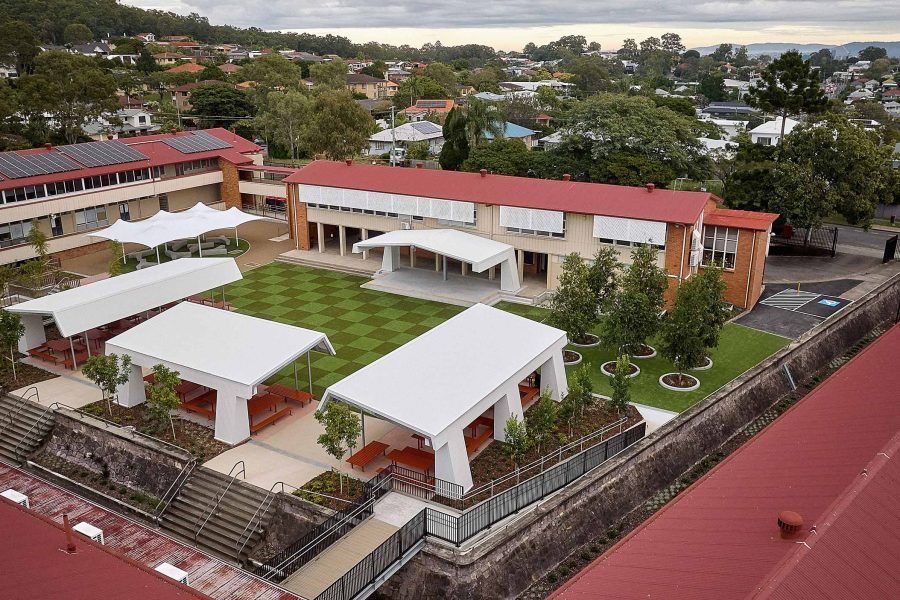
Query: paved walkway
<point>206,574</point>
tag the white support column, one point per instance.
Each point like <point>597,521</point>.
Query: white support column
<point>320,236</point>
<point>364,235</point>
<point>132,392</point>
<point>451,461</point>
<point>510,277</point>
<point>520,261</point>
<point>464,268</point>
<point>508,405</point>
<point>342,239</point>
<point>391,261</point>
<point>412,257</point>
<point>553,376</point>
<point>232,420</point>
<point>34,334</point>
<point>437,263</point>
<point>491,274</point>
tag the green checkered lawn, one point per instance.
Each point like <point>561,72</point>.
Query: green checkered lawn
<point>363,325</point>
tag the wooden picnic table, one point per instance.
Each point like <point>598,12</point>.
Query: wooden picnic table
<point>97,334</point>
<point>64,345</point>
<point>420,440</point>
<point>414,458</point>
<point>482,420</point>
<point>367,454</point>
<point>186,387</point>
<point>260,404</point>
<point>289,393</point>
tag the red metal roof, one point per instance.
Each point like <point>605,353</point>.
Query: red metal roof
<point>158,153</point>
<point>35,565</point>
<point>832,458</point>
<point>742,219</point>
<point>548,194</point>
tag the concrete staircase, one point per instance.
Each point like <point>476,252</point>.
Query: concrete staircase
<point>230,505</point>
<point>24,424</point>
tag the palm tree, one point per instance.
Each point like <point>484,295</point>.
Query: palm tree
<point>482,118</point>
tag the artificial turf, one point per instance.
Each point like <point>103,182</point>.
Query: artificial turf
<point>364,325</point>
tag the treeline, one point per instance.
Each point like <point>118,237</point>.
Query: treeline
<point>49,19</point>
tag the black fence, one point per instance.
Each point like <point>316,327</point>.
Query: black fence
<point>818,241</point>
<point>368,570</point>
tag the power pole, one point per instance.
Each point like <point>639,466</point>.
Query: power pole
<point>393,139</point>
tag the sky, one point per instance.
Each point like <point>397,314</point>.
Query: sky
<point>510,24</point>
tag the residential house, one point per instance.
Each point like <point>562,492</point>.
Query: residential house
<point>892,108</point>
<point>515,132</point>
<point>305,57</point>
<point>544,220</point>
<point>769,133</point>
<point>181,95</point>
<point>229,68</point>
<point>738,87</point>
<point>147,38</point>
<point>92,49</point>
<point>167,59</point>
<point>543,120</point>
<point>422,108</point>
<point>723,148</point>
<point>186,45</point>
<point>134,121</point>
<point>8,72</point>
<point>490,97</point>
<point>190,67</point>
<point>860,66</point>
<point>465,90</point>
<point>398,75</point>
<point>371,87</point>
<point>406,134</point>
<point>378,105</point>
<point>730,127</point>
<point>729,109</point>
<point>176,38</point>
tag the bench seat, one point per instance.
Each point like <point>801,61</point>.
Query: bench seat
<point>367,454</point>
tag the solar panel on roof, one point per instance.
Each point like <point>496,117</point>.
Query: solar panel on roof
<point>199,141</point>
<point>16,166</point>
<point>99,154</point>
<point>431,103</point>
<point>426,127</point>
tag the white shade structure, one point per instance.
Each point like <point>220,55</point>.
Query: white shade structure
<point>222,350</point>
<point>165,226</point>
<point>82,308</point>
<point>438,383</point>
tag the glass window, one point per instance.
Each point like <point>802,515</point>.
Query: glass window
<point>720,246</point>
<point>90,218</point>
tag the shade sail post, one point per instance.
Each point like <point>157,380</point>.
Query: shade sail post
<point>362,415</point>
<point>309,370</point>
<point>157,255</point>
<point>296,384</point>
<point>123,254</point>
<point>445,267</point>
<point>74,360</point>
<point>199,247</point>
<point>236,243</point>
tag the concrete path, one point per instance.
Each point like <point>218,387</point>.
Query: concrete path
<point>320,573</point>
<point>71,389</point>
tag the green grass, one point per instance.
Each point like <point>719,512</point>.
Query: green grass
<point>364,325</point>
<point>839,220</point>
<point>233,250</point>
<point>739,349</point>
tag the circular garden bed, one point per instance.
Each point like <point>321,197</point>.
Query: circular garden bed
<point>679,382</point>
<point>643,351</point>
<point>707,364</point>
<point>589,341</point>
<point>570,357</point>
<point>609,368</point>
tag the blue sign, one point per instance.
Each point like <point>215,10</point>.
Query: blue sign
<point>831,303</point>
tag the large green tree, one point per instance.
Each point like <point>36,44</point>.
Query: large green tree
<point>788,87</point>
<point>220,105</point>
<point>338,127</point>
<point>482,118</point>
<point>418,88</point>
<point>455,150</point>
<point>285,119</point>
<point>77,33</point>
<point>18,46</point>
<point>444,75</point>
<point>573,307</point>
<point>503,157</point>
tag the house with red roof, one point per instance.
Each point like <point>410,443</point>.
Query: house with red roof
<point>806,510</point>
<point>337,203</point>
<point>190,67</point>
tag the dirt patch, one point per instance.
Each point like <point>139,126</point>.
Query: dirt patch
<point>26,375</point>
<point>196,439</point>
<point>318,489</point>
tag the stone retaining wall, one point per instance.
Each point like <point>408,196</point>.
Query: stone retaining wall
<point>292,518</point>
<point>505,561</point>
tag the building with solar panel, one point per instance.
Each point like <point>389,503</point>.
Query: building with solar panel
<point>69,191</point>
<point>406,134</point>
<point>422,108</point>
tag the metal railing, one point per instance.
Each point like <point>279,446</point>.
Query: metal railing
<point>22,401</point>
<point>253,523</point>
<point>38,422</point>
<point>821,240</point>
<point>174,488</point>
<point>233,474</point>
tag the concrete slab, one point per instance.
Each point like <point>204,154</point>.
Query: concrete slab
<point>68,389</point>
<point>430,285</point>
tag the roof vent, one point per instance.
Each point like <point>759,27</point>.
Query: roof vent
<point>48,146</point>
<point>109,136</point>
<point>789,523</point>
<point>173,131</point>
<point>566,177</point>
<point>349,162</point>
<point>70,539</point>
<point>651,187</point>
<point>420,165</point>
<point>483,172</point>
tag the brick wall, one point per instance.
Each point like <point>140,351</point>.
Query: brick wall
<point>81,250</point>
<point>298,218</point>
<point>676,262</point>
<point>751,253</point>
<point>230,187</point>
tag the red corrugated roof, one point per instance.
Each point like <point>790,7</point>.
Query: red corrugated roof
<point>827,459</point>
<point>36,568</point>
<point>548,194</point>
<point>158,153</point>
<point>743,219</point>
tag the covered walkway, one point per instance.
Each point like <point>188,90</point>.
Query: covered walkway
<point>441,383</point>
<point>226,353</point>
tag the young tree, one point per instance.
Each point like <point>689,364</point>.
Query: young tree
<point>573,307</point>
<point>788,87</point>
<point>633,316</point>
<point>712,292</point>
<point>621,386</point>
<point>163,399</point>
<point>542,419</point>
<point>603,276</point>
<point>580,396</point>
<point>517,442</point>
<point>11,329</point>
<point>683,333</point>
<point>107,373</point>
<point>342,429</point>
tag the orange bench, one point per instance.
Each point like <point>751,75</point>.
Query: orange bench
<point>474,443</point>
<point>39,354</point>
<point>269,420</point>
<point>367,454</point>
<point>80,357</point>
<point>197,404</point>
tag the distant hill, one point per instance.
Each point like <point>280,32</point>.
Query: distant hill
<point>839,50</point>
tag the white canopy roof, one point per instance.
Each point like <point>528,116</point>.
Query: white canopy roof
<point>482,253</point>
<point>210,346</point>
<point>166,226</point>
<point>444,376</point>
<point>82,308</point>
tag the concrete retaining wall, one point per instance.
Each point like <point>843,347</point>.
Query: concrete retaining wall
<point>504,562</point>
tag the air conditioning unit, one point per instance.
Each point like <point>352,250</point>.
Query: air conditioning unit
<point>694,259</point>
<point>17,497</point>
<point>173,572</point>
<point>91,532</point>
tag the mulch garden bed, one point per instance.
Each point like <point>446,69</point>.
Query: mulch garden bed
<point>611,367</point>
<point>26,375</point>
<point>196,439</point>
<point>588,340</point>
<point>97,481</point>
<point>493,463</point>
<point>329,482</point>
<point>570,356</point>
<point>679,380</point>
<point>643,351</point>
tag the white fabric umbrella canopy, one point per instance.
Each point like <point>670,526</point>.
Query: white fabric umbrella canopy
<point>165,226</point>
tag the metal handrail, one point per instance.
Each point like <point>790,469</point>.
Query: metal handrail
<point>173,490</point>
<point>33,390</point>
<point>243,473</point>
<point>39,420</point>
<point>266,502</point>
